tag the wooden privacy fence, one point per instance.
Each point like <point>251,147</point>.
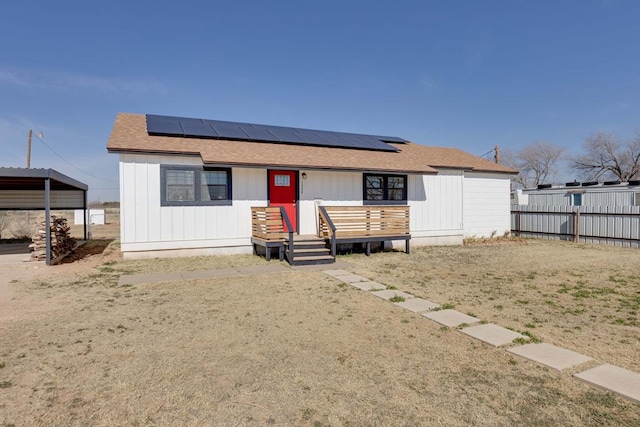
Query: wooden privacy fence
<point>616,225</point>
<point>363,224</point>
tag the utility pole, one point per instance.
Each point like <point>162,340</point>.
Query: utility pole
<point>497,154</point>
<point>29,148</point>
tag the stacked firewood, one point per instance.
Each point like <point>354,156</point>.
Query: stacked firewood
<point>61,241</point>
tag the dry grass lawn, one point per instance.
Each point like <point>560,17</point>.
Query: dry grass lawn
<point>300,348</point>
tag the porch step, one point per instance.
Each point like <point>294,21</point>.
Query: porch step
<point>313,260</point>
<point>310,250</point>
<point>318,251</point>
<point>308,245</point>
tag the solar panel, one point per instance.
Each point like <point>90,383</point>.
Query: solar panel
<point>286,135</point>
<point>390,139</point>
<point>217,129</point>
<point>228,130</point>
<point>197,128</point>
<point>259,133</point>
<point>367,140</point>
<point>314,137</point>
<point>345,140</point>
<point>163,125</point>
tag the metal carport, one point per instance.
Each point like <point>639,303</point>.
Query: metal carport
<point>41,189</point>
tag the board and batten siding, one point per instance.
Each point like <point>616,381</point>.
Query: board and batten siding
<point>444,207</point>
<point>435,202</point>
<point>487,203</point>
<point>148,226</point>
<point>436,208</point>
<point>35,199</point>
<point>327,188</point>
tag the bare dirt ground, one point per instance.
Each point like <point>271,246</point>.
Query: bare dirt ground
<point>299,348</point>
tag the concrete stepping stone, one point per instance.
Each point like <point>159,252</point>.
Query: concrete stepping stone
<point>492,334</point>
<point>550,355</point>
<point>614,379</point>
<point>450,318</point>
<point>390,293</point>
<point>368,286</point>
<point>418,305</point>
<point>337,273</point>
<point>352,278</point>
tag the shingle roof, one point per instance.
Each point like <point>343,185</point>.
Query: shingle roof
<point>129,134</point>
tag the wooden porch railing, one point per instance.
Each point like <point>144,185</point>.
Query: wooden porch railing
<point>363,224</point>
<point>269,227</point>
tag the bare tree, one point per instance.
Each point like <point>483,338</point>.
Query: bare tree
<point>607,156</point>
<point>536,163</point>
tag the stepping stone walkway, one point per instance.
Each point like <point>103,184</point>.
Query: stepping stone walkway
<point>418,305</point>
<point>368,286</point>
<point>390,293</point>
<point>352,278</point>
<point>612,378</point>
<point>492,334</point>
<point>550,355</point>
<point>337,273</point>
<point>450,318</point>
<point>608,377</point>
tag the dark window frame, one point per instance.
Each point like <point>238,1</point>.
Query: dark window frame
<point>197,184</point>
<point>385,189</point>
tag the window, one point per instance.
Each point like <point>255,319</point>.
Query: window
<point>379,188</point>
<point>636,199</point>
<point>180,186</point>
<point>576,199</point>
<point>214,185</point>
<point>282,181</point>
<point>195,186</point>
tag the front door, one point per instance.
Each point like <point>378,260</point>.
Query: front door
<point>282,192</point>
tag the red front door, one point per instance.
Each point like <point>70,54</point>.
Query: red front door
<point>282,192</point>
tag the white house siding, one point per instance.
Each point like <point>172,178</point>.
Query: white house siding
<point>146,226</point>
<point>34,199</point>
<point>486,206</point>
<point>444,207</point>
<point>436,208</point>
<point>435,202</point>
<point>328,188</point>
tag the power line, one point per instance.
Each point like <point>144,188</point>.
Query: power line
<point>494,154</point>
<point>71,164</point>
<point>488,152</point>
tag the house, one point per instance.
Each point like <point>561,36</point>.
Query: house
<point>187,186</point>
<point>588,194</point>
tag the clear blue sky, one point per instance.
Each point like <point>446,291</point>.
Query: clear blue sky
<point>468,74</point>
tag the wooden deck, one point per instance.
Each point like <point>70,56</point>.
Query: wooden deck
<point>337,225</point>
<point>364,224</point>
